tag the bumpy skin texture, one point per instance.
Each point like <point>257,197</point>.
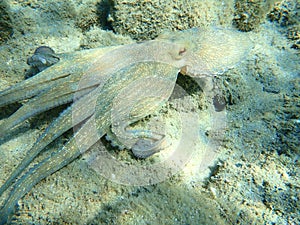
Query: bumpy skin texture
<point>95,81</point>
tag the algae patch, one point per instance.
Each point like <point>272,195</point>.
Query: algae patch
<point>6,29</point>
<point>249,14</point>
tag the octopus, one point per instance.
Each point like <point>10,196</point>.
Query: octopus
<point>108,89</point>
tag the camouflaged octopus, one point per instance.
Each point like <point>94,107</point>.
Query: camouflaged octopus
<point>93,80</point>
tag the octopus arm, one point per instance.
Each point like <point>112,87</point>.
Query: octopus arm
<point>70,68</point>
<point>59,95</point>
<point>72,116</point>
<point>78,144</point>
<point>30,87</point>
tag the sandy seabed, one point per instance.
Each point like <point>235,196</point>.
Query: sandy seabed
<point>254,179</point>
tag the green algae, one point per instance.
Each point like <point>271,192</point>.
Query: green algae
<point>6,29</point>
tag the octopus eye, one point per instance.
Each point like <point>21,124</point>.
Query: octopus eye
<point>179,53</point>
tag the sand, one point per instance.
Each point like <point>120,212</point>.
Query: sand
<point>252,179</point>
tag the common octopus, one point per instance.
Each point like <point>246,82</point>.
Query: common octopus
<point>91,79</point>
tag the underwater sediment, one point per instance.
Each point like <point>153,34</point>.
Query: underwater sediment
<point>255,179</point>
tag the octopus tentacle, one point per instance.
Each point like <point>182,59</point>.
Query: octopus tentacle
<point>99,67</point>
<point>134,102</point>
<point>78,144</point>
<point>72,116</point>
<point>109,92</point>
<point>71,67</point>
<point>85,106</point>
<point>30,87</point>
<point>41,103</point>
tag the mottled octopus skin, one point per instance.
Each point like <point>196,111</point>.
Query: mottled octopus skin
<point>91,80</point>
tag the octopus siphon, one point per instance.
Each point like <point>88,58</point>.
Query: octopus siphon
<point>90,80</point>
